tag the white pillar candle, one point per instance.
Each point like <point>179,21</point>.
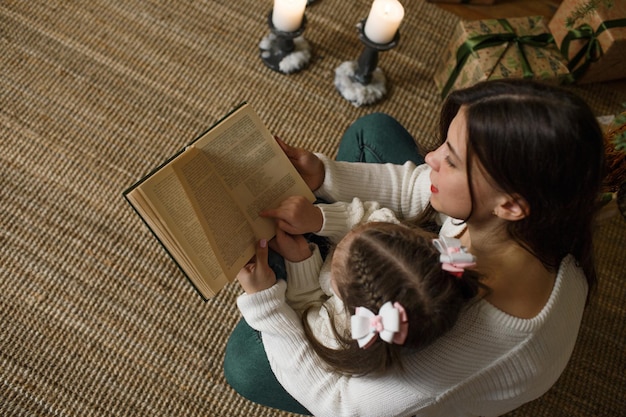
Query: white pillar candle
<point>287,14</point>
<point>384,20</point>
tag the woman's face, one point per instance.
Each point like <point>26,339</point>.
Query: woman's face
<point>450,192</point>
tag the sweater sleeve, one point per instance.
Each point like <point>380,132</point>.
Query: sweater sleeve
<point>405,189</point>
<point>303,281</point>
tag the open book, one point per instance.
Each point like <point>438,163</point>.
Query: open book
<point>202,204</point>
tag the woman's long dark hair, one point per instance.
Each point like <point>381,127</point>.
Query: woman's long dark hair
<point>543,143</point>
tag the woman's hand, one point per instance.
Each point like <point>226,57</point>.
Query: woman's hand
<point>310,167</point>
<point>296,215</point>
<point>293,248</point>
<point>257,275</point>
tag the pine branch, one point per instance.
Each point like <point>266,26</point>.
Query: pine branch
<point>586,9</point>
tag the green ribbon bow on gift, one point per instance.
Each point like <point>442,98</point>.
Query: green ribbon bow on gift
<point>592,51</point>
<point>471,45</point>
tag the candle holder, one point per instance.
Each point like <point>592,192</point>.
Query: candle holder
<point>362,82</point>
<point>285,52</point>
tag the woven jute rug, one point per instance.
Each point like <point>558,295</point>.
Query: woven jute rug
<point>96,319</point>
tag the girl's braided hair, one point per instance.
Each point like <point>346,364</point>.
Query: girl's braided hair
<point>388,262</point>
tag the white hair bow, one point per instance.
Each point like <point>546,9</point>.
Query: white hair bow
<point>390,324</point>
<point>454,257</point>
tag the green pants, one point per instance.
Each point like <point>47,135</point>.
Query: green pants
<point>376,138</point>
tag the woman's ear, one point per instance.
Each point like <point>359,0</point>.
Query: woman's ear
<point>513,208</point>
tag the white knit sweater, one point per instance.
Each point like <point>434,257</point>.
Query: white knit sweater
<point>488,364</point>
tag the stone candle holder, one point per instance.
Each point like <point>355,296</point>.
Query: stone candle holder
<point>285,52</point>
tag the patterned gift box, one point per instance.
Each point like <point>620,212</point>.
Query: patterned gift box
<point>500,48</point>
<point>592,37</point>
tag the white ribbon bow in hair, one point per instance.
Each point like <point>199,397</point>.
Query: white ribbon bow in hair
<point>390,324</point>
<point>454,257</point>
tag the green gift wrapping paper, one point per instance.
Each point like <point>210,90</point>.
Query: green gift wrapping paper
<point>501,48</point>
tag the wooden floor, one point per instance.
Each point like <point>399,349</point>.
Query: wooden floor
<point>503,8</point>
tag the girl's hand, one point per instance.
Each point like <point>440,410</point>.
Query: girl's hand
<point>296,215</point>
<point>257,275</point>
<point>310,167</point>
<point>293,248</point>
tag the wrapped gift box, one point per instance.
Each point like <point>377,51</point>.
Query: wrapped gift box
<point>486,2</point>
<point>615,154</point>
<point>501,48</point>
<point>593,40</point>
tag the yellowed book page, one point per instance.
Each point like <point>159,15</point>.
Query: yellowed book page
<point>187,240</point>
<point>252,167</point>
<point>205,203</point>
<point>219,216</point>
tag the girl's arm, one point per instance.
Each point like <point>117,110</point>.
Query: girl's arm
<point>303,284</point>
<point>303,263</point>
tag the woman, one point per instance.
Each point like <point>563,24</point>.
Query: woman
<point>517,181</point>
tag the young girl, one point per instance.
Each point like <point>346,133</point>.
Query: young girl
<point>516,180</point>
<point>378,271</point>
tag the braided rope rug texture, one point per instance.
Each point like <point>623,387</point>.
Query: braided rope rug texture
<point>96,320</point>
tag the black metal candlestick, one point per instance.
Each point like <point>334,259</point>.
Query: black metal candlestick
<point>362,82</point>
<point>368,60</point>
<point>285,52</point>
